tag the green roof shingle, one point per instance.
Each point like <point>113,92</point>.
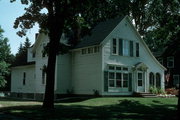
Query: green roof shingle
<point>99,33</point>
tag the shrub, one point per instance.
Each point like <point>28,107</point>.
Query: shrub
<point>172,91</point>
<point>96,93</point>
<point>156,90</point>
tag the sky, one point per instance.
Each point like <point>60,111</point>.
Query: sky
<point>8,13</point>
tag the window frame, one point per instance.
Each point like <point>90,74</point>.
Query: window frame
<point>121,79</point>
<point>140,79</point>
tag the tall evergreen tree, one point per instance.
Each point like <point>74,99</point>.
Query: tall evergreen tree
<point>5,59</point>
<point>21,56</point>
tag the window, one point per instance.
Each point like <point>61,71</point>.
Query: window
<point>96,49</point>
<point>158,80</point>
<point>125,79</point>
<point>151,79</point>
<point>125,48</point>
<point>140,79</point>
<point>118,68</point>
<point>176,80</point>
<point>118,77</point>
<point>111,79</point>
<point>111,67</point>
<point>24,78</point>
<point>114,44</point>
<point>137,49</point>
<point>125,68</point>
<point>83,51</point>
<point>118,80</point>
<point>170,62</point>
<point>90,50</point>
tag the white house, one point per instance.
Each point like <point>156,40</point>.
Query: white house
<point>112,60</point>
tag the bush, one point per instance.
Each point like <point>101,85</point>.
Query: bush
<point>156,90</point>
<point>172,91</point>
<point>96,93</point>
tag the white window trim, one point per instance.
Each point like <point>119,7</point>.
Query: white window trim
<point>118,71</point>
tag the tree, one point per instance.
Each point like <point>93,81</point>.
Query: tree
<point>4,71</point>
<point>165,19</point>
<point>21,56</point>
<point>5,58</point>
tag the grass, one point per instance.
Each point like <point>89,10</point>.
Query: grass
<point>125,108</point>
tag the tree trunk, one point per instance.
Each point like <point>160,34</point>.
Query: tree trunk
<point>54,36</point>
<point>49,91</point>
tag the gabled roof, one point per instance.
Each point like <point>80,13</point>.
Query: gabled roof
<point>99,33</point>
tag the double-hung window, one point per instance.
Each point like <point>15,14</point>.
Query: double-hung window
<point>125,48</point>
<point>111,79</point>
<point>140,79</point>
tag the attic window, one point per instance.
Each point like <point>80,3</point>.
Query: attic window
<point>96,49</point>
<point>83,51</point>
<point>90,50</point>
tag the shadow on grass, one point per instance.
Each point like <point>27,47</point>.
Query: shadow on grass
<point>125,109</point>
<point>73,99</point>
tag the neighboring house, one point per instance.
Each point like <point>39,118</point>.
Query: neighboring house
<point>170,59</point>
<point>112,60</point>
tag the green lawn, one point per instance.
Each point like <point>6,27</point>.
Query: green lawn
<point>125,108</point>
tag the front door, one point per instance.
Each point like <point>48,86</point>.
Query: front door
<point>140,81</point>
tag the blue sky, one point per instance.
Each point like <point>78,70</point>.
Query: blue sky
<point>8,13</point>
